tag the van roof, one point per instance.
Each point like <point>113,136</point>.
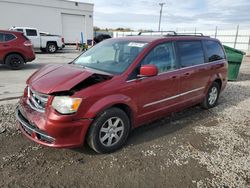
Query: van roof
<point>152,38</point>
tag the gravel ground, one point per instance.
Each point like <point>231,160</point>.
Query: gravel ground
<point>193,148</point>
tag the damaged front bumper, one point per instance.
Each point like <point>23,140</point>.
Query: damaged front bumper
<point>32,130</point>
<point>50,129</point>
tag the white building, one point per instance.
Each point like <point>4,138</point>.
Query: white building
<point>60,17</point>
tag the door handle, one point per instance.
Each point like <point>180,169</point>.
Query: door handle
<point>187,74</point>
<point>173,77</point>
<point>5,45</point>
<point>203,69</point>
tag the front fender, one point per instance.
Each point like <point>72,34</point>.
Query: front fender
<point>109,101</point>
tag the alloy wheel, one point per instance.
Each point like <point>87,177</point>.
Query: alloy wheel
<point>15,62</point>
<point>52,48</point>
<point>111,131</point>
<point>213,95</point>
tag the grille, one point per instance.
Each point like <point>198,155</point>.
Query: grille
<point>37,101</point>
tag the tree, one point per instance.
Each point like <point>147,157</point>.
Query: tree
<point>96,28</point>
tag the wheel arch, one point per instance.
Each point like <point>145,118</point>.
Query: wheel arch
<point>126,108</point>
<point>215,78</point>
<point>219,81</point>
<point>118,101</point>
<point>49,42</point>
<point>13,53</point>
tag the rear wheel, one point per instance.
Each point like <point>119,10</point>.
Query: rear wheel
<point>109,131</point>
<point>14,61</point>
<point>212,96</point>
<point>51,48</point>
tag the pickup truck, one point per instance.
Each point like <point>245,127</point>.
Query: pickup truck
<point>42,40</point>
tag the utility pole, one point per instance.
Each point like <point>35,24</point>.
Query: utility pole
<point>161,4</point>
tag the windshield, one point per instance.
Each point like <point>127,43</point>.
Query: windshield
<point>111,56</point>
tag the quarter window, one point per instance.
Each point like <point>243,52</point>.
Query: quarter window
<point>163,57</point>
<point>9,37</point>
<point>191,53</point>
<point>6,37</point>
<point>31,32</point>
<point>214,51</point>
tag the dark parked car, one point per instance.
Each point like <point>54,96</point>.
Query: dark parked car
<point>15,49</point>
<point>118,85</point>
<point>101,38</point>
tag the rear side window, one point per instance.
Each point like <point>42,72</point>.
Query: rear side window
<point>190,53</point>
<point>6,37</point>
<point>31,32</point>
<point>1,37</point>
<point>214,51</point>
<point>9,37</point>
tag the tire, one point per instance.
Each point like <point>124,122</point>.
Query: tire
<point>212,96</point>
<point>51,48</point>
<point>14,61</point>
<point>109,131</point>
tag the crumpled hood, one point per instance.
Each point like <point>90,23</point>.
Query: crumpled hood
<point>57,78</point>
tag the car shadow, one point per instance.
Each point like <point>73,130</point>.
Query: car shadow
<point>188,117</point>
<point>28,66</point>
<point>59,52</point>
<point>165,126</point>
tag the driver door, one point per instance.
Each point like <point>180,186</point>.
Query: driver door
<point>155,96</point>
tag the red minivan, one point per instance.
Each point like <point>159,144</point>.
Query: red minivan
<point>118,85</point>
<point>15,49</point>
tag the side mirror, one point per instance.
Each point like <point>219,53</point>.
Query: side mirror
<point>148,71</point>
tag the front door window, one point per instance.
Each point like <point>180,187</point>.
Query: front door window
<point>163,57</point>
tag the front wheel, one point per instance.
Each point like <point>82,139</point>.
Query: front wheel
<point>109,131</point>
<point>212,96</point>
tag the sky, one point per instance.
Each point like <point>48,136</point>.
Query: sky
<point>177,14</point>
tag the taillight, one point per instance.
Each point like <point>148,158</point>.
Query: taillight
<point>25,93</point>
<point>27,43</point>
<point>62,40</point>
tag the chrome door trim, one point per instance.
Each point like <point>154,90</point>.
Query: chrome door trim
<point>173,97</point>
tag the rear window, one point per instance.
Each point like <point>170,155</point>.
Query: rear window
<point>191,53</point>
<point>214,51</point>
<point>31,32</point>
<point>20,30</point>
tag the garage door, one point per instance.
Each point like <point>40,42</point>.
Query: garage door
<point>72,25</point>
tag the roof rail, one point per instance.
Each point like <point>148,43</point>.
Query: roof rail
<point>160,32</point>
<point>191,34</point>
<point>173,33</point>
